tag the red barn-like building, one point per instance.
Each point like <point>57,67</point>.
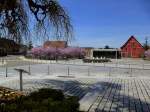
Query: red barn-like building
<point>132,48</point>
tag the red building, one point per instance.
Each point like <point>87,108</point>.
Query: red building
<point>132,48</point>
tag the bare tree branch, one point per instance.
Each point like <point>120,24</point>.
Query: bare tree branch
<point>14,16</point>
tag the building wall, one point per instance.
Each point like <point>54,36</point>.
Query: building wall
<point>101,53</point>
<point>107,53</point>
<point>88,52</point>
<point>132,49</point>
<point>55,44</point>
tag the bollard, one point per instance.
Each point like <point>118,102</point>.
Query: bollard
<point>68,72</point>
<point>131,72</point>
<point>110,71</point>
<point>51,70</point>
<point>88,71</point>
<point>48,70</point>
<point>6,71</point>
<point>21,84</point>
<point>29,69</point>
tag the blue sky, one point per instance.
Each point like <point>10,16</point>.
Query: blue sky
<point>108,22</point>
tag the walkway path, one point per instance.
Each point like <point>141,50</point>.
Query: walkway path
<point>123,95</point>
<point>107,94</point>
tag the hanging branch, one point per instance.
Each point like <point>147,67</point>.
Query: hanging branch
<point>14,16</point>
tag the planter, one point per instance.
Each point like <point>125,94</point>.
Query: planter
<point>96,60</point>
<point>7,94</point>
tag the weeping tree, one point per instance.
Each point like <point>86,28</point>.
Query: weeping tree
<point>21,18</point>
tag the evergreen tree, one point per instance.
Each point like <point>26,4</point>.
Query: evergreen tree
<point>30,45</point>
<point>107,47</point>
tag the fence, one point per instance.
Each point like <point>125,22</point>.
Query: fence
<point>61,69</point>
<point>39,73</point>
<point>125,64</point>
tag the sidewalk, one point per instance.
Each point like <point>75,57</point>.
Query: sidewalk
<point>119,64</point>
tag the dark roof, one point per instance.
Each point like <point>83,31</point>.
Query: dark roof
<point>87,47</point>
<point>132,37</point>
<point>106,49</point>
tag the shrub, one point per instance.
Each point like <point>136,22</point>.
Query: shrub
<point>96,60</point>
<point>46,93</point>
<point>44,100</point>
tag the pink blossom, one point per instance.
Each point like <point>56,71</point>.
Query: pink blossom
<point>51,53</point>
<point>147,53</point>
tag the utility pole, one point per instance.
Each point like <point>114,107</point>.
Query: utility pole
<point>146,45</point>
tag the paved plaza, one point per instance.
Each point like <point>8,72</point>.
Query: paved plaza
<point>99,88</point>
<point>107,94</point>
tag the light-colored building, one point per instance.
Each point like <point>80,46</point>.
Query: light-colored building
<point>102,53</point>
<point>88,51</point>
<point>106,53</point>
